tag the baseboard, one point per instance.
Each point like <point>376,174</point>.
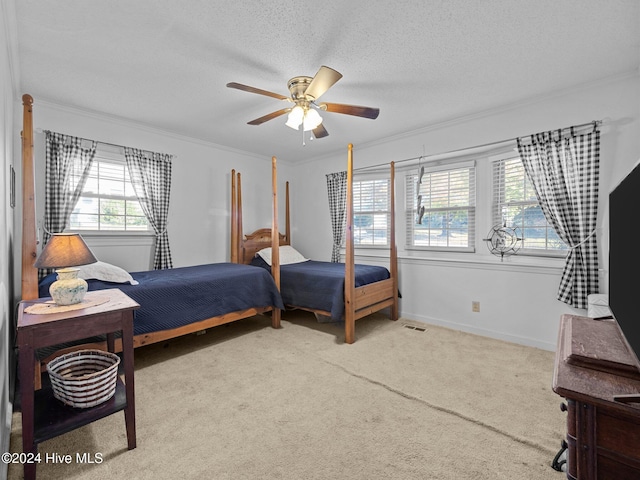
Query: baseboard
<point>529,342</point>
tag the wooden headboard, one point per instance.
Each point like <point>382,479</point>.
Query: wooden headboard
<point>256,241</point>
<point>245,246</point>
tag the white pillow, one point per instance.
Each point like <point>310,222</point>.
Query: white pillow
<point>288,255</point>
<point>105,272</point>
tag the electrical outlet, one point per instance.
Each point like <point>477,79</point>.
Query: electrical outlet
<point>475,306</point>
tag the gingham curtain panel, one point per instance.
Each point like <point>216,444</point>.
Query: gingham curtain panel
<point>564,171</point>
<point>337,189</point>
<point>67,163</point>
<point>151,179</point>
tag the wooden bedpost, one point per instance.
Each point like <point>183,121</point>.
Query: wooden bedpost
<point>349,261</point>
<point>239,233</point>
<point>275,240</point>
<point>287,225</point>
<point>234,221</point>
<point>393,254</point>
<point>29,239</point>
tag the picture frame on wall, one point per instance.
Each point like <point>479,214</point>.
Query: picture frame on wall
<point>12,187</point>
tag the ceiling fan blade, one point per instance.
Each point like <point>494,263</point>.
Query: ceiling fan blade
<point>259,91</point>
<point>320,131</point>
<point>323,81</point>
<point>269,116</point>
<point>366,112</point>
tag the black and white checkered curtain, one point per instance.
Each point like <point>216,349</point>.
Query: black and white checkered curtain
<point>564,171</point>
<point>151,179</point>
<point>67,164</point>
<point>337,189</point>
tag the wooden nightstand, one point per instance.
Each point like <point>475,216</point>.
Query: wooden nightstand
<point>43,416</point>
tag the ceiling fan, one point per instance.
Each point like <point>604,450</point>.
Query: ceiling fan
<point>305,92</point>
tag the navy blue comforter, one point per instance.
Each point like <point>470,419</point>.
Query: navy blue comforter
<point>175,297</point>
<point>320,285</point>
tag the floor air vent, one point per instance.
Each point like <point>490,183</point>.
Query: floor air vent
<point>414,327</point>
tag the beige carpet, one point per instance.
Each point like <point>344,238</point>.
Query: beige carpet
<point>245,401</point>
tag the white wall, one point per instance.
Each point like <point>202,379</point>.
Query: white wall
<point>518,296</point>
<point>7,360</point>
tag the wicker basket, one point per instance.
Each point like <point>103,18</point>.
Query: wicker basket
<point>84,378</point>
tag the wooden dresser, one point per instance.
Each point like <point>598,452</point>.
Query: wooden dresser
<point>595,373</point>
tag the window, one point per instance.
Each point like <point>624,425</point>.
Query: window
<point>108,201</point>
<point>515,205</point>
<point>441,207</point>
<point>371,212</point>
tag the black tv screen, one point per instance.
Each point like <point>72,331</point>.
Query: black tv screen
<point>624,259</point>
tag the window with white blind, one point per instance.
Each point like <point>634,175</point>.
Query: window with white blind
<point>441,207</point>
<point>515,205</point>
<point>371,212</point>
<point>108,201</point>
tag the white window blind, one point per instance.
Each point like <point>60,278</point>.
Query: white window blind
<point>440,207</point>
<point>515,205</point>
<point>371,212</point>
<point>108,201</point>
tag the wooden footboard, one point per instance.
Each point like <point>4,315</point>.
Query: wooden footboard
<point>373,297</point>
<point>369,299</point>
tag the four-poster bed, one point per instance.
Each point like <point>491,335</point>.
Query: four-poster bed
<point>208,295</point>
<point>362,290</point>
<point>340,291</point>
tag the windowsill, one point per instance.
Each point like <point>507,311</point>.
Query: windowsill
<point>113,233</point>
<point>117,239</point>
<point>530,264</point>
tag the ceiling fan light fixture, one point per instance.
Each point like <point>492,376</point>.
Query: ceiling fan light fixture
<point>304,94</point>
<point>311,120</point>
<point>295,117</point>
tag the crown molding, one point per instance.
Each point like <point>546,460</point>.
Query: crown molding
<point>121,121</point>
<point>505,108</point>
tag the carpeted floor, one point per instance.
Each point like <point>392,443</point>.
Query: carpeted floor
<point>246,401</point>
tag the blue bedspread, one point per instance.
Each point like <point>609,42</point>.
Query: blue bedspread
<point>320,285</point>
<point>180,296</point>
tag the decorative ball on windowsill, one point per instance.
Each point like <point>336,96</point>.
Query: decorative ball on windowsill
<point>64,251</point>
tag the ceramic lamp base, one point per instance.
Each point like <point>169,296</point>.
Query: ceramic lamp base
<point>68,289</point>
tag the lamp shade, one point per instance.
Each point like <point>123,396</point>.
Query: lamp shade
<point>311,120</point>
<point>295,117</point>
<point>65,250</point>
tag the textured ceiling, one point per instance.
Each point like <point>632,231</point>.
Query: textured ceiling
<point>166,63</point>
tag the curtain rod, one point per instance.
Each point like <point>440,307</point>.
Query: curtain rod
<point>40,130</point>
<point>143,149</point>
<point>595,123</point>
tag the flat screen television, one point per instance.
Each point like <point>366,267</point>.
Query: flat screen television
<point>624,260</point>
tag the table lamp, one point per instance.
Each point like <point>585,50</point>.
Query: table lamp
<point>64,251</point>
